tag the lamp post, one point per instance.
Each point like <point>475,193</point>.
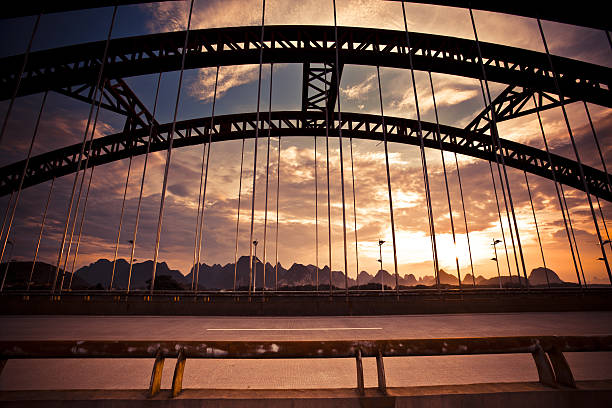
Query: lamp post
<point>255,266</point>
<point>382,276</point>
<point>7,264</point>
<point>495,242</point>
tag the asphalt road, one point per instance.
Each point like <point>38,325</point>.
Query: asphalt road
<point>323,373</point>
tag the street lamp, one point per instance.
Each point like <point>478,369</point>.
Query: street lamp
<point>8,242</point>
<point>495,242</point>
<point>382,276</point>
<point>255,266</point>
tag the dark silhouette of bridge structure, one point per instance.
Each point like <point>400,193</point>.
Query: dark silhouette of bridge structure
<point>95,73</point>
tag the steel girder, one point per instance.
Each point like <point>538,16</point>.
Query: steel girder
<point>76,65</point>
<point>117,97</point>
<point>298,123</point>
<point>514,102</point>
<point>587,14</point>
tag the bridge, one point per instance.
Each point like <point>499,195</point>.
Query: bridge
<point>510,198</point>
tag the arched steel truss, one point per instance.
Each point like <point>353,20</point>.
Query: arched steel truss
<point>299,123</point>
<point>66,69</point>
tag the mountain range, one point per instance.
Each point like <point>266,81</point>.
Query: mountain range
<point>221,277</point>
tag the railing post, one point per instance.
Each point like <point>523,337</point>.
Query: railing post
<point>177,380</point>
<point>380,370</point>
<point>563,373</point>
<point>545,371</point>
<point>156,375</point>
<point>360,383</point>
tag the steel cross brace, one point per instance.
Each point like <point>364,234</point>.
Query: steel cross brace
<point>117,97</point>
<point>514,102</point>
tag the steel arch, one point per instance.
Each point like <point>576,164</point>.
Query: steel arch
<point>119,146</point>
<point>67,67</point>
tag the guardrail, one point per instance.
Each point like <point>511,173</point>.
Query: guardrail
<point>547,351</point>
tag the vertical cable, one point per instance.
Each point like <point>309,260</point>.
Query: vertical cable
<point>238,215</point>
<point>423,158</point>
<point>329,226</point>
<point>341,157</point>
<point>6,212</point>
<point>316,217</point>
<point>575,148</point>
<point>169,154</point>
<point>465,223</point>
<point>501,182</point>
<point>257,125</point>
<point>501,227</point>
<point>18,78</point>
<point>450,208</point>
<point>388,172</point>
<point>557,184</point>
<point>571,227</point>
<point>497,143</point>
<point>603,220</point>
<point>76,250</point>
<point>197,223</point>
<point>127,180</point>
<point>78,167</point>
<point>210,131</point>
<point>354,215</point>
<point>42,227</point>
<point>267,177</point>
<point>142,180</point>
<point>277,196</point>
<point>23,176</point>
<point>76,207</point>
<point>535,220</point>
<point>603,162</point>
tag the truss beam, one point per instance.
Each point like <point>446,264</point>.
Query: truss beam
<point>297,123</point>
<point>76,65</point>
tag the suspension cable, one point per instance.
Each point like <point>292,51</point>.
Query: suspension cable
<point>6,212</point>
<point>388,172</point>
<point>329,226</point>
<point>316,216</point>
<point>210,132</point>
<point>557,184</point>
<point>267,177</point>
<point>142,180</point>
<point>575,148</point>
<point>238,215</point>
<point>501,182</point>
<point>76,250</point>
<point>423,157</point>
<point>42,227</point>
<point>21,180</point>
<point>76,207</point>
<point>603,163</point>
<point>78,167</point>
<point>18,78</point>
<point>501,227</point>
<point>127,181</point>
<point>465,223</point>
<point>497,144</point>
<point>355,215</point>
<point>603,220</point>
<point>277,196</point>
<point>569,220</point>
<point>257,125</point>
<point>535,220</point>
<point>450,208</point>
<point>169,154</point>
<point>341,156</point>
<point>197,223</point>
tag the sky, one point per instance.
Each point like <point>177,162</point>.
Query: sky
<point>458,100</point>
